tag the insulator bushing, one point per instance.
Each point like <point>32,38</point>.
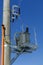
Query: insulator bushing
<point>15,11</point>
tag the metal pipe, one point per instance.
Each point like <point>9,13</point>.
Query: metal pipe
<point>2,53</point>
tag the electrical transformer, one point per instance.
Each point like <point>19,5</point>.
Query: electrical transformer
<point>23,38</point>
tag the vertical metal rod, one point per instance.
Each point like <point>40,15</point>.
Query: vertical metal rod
<point>2,53</point>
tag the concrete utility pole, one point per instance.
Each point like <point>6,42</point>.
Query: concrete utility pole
<point>6,23</point>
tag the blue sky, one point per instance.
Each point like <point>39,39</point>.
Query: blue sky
<point>31,15</point>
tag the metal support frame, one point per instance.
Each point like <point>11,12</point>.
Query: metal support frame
<point>17,55</point>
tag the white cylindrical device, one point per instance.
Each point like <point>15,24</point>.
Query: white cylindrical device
<point>6,23</point>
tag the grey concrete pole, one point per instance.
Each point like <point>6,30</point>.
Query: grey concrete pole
<point>6,23</point>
